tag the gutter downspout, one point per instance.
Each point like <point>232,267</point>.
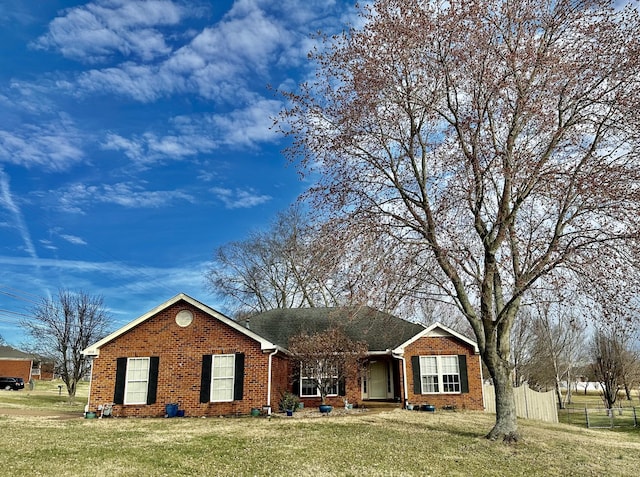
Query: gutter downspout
<point>404,380</point>
<point>271,355</point>
<point>86,407</point>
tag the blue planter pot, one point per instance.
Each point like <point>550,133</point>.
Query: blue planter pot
<point>325,408</point>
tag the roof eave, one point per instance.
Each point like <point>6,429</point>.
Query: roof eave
<point>400,349</point>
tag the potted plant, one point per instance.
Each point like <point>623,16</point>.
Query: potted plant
<point>288,403</point>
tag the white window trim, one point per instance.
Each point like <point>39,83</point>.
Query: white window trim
<point>146,381</point>
<point>225,378</point>
<point>440,374</point>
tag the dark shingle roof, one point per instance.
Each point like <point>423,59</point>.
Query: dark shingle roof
<point>381,331</point>
<point>7,352</point>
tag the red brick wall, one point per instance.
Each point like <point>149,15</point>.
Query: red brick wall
<point>280,384</point>
<point>16,368</point>
<point>180,351</point>
<point>430,346</point>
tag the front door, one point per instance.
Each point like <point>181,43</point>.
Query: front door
<point>378,379</point>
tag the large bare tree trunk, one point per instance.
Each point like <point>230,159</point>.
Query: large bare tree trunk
<point>496,357</point>
<point>506,426</point>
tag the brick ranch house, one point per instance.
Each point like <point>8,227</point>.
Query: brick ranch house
<point>187,353</point>
<point>15,363</point>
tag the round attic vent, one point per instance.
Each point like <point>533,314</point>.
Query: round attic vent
<point>184,318</point>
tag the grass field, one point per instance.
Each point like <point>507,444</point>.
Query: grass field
<point>624,418</point>
<point>394,443</point>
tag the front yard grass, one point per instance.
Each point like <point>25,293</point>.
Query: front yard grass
<point>392,443</point>
<point>397,443</point>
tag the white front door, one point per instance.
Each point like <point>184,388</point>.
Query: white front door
<point>378,379</point>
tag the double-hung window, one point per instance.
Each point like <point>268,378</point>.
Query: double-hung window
<point>429,374</point>
<point>222,375</point>
<point>136,380</point>
<point>222,378</point>
<point>440,374</point>
<point>450,372</point>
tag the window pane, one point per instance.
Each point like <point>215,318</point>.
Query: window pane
<point>430,384</point>
<point>308,388</point>
<point>451,383</point>
<point>449,364</point>
<point>333,387</point>
<point>223,390</point>
<point>429,365</point>
<point>223,366</point>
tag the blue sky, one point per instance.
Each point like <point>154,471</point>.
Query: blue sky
<point>135,139</point>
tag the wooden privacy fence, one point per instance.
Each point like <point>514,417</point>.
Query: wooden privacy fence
<point>530,404</point>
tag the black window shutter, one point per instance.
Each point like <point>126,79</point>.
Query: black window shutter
<point>205,378</point>
<point>238,382</point>
<point>415,369</point>
<point>295,386</point>
<point>121,378</point>
<point>152,387</point>
<point>464,378</point>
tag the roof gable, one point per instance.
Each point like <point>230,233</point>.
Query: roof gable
<point>438,330</point>
<point>381,331</point>
<point>94,349</point>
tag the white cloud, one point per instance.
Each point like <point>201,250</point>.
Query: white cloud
<point>53,145</point>
<point>223,61</point>
<point>186,140</point>
<point>78,197</point>
<point>249,125</point>
<point>144,83</point>
<point>239,198</point>
<point>48,244</point>
<point>73,239</point>
<point>98,30</point>
<point>131,148</point>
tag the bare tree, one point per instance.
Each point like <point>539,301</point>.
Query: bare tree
<point>522,348</point>
<point>286,266</point>
<point>558,347</point>
<point>496,140</point>
<point>326,358</point>
<point>62,327</point>
<point>606,352</point>
<point>302,262</point>
<point>629,360</point>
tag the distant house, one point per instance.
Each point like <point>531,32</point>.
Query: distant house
<point>15,363</point>
<point>186,353</point>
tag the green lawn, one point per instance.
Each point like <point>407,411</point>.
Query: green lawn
<point>46,395</point>
<point>598,416</point>
<point>396,443</point>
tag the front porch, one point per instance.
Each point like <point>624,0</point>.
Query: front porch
<point>381,381</point>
